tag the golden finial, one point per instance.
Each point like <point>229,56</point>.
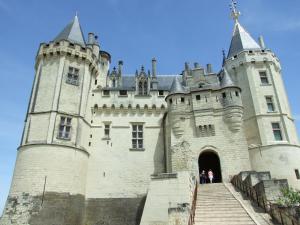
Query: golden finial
<point>235,13</point>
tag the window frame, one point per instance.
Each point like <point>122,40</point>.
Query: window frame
<point>270,103</point>
<point>277,130</point>
<point>64,128</point>
<point>137,136</point>
<point>264,76</point>
<point>73,76</point>
<point>107,130</point>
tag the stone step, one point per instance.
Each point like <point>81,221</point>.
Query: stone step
<point>216,205</point>
<point>214,200</point>
<point>224,223</point>
<point>228,215</point>
<point>224,215</point>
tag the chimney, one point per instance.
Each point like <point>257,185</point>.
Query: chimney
<point>196,65</point>
<point>91,39</point>
<point>208,68</point>
<point>120,64</point>
<point>261,42</point>
<point>186,66</point>
<point>153,67</point>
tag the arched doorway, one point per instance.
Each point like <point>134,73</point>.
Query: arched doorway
<point>210,160</point>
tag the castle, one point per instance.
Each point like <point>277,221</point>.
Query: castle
<point>101,147</point>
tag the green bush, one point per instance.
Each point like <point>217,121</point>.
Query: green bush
<point>290,197</point>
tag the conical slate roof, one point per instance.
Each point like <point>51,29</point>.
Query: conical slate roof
<point>176,86</point>
<point>241,40</point>
<point>226,79</point>
<point>72,32</point>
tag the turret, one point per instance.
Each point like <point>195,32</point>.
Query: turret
<point>178,104</point>
<point>53,157</point>
<point>269,127</point>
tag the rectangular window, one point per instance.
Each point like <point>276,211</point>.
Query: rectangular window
<point>277,131</point>
<point>106,92</point>
<point>263,78</point>
<point>297,174</point>
<point>73,76</point>
<point>171,101</point>
<point>224,95</point>
<point>123,93</point>
<point>160,93</point>
<point>137,136</point>
<point>65,128</point>
<point>198,98</point>
<point>207,130</point>
<point>270,104</point>
<point>182,99</point>
<point>106,130</point>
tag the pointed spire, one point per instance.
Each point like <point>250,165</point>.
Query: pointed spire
<point>226,80</point>
<point>72,32</point>
<point>241,39</point>
<point>176,86</point>
<point>224,57</point>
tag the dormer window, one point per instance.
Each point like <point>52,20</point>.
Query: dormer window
<point>160,93</point>
<point>123,93</point>
<point>143,87</point>
<point>106,93</point>
<point>73,76</point>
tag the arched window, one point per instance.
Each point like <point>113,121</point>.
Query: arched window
<point>114,83</point>
<point>145,88</point>
<point>140,88</point>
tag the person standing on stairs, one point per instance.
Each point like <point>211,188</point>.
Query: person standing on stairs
<point>210,176</point>
<point>203,177</point>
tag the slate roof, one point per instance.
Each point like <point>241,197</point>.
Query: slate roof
<point>164,82</point>
<point>241,40</point>
<point>226,80</point>
<point>176,86</point>
<point>72,32</point>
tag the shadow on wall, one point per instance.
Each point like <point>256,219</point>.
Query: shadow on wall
<point>114,211</point>
<point>159,154</point>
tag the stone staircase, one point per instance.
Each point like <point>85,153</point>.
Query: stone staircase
<point>217,206</point>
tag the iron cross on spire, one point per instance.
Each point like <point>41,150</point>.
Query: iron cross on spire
<point>235,13</point>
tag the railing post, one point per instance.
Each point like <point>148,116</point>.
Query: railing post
<point>282,222</point>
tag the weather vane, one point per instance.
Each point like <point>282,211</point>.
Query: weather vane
<point>235,13</point>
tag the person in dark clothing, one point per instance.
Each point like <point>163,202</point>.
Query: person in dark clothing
<point>203,177</point>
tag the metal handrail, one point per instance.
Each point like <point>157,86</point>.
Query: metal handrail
<point>268,206</point>
<point>193,209</point>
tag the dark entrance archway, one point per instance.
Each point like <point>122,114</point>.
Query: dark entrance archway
<point>210,160</point>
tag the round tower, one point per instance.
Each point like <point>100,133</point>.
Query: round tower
<point>50,172</point>
<point>269,126</point>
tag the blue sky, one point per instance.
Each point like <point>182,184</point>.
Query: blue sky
<point>174,31</point>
